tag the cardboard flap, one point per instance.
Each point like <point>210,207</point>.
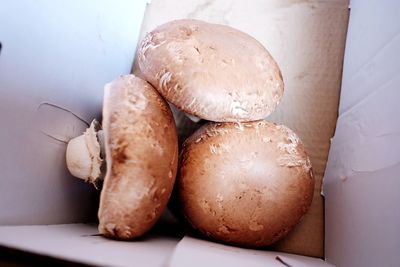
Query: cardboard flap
<point>198,253</point>
<point>362,178</point>
<point>81,243</point>
<point>54,62</point>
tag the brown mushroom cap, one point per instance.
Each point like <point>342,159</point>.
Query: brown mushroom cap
<point>141,153</point>
<point>211,71</point>
<point>245,183</point>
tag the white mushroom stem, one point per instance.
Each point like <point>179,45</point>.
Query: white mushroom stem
<point>84,154</point>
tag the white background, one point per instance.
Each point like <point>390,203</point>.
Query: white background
<point>62,53</point>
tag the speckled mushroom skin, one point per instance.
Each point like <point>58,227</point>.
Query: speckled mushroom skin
<point>211,71</point>
<point>245,183</point>
<point>141,154</point>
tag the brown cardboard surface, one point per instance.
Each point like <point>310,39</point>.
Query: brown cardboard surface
<point>307,40</point>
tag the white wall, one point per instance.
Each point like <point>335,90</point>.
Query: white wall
<point>58,52</point>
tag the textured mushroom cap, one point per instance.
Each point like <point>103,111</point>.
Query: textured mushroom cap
<point>245,183</point>
<point>211,71</point>
<point>141,153</point>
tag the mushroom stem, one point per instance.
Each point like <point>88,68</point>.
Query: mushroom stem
<point>85,154</point>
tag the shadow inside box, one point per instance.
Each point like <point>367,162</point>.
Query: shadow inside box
<point>10,257</point>
<point>168,227</point>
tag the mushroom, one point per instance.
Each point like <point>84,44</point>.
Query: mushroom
<point>246,184</point>
<point>140,146</point>
<point>211,71</point>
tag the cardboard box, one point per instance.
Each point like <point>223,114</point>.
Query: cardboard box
<point>55,60</point>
